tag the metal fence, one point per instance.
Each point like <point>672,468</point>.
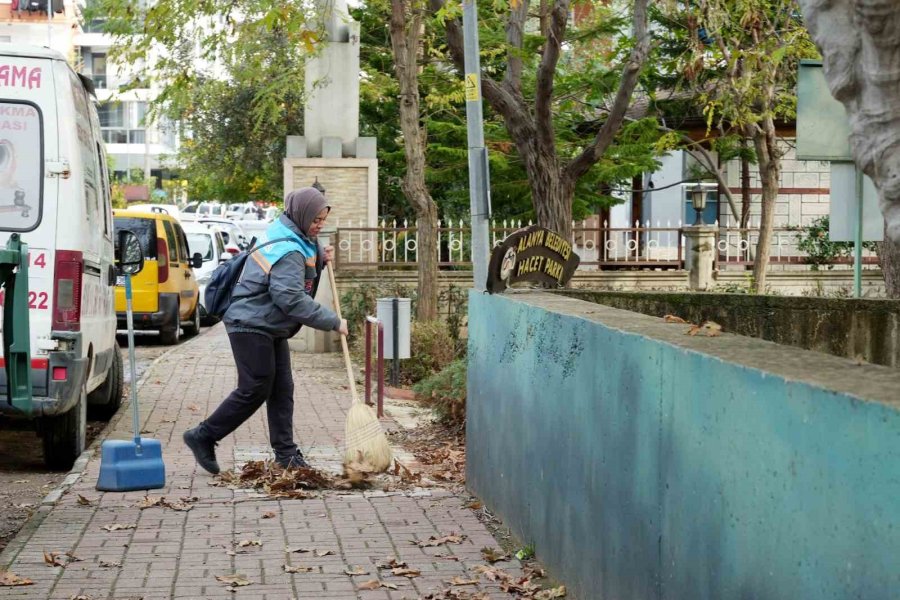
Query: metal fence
<point>643,246</point>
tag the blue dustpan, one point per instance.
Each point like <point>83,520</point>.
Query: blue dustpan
<point>131,465</point>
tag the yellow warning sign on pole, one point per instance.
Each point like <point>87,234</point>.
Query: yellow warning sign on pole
<point>472,87</point>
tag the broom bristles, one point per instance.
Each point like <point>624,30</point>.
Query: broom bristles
<point>366,440</point>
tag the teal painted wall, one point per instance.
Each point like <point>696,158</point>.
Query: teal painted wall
<point>643,463</point>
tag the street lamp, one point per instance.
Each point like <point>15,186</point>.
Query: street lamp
<point>698,201</point>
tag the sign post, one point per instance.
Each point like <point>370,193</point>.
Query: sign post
<point>479,177</point>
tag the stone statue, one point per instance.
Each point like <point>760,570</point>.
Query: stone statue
<point>860,45</point>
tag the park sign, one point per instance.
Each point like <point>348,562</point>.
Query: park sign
<point>533,254</point>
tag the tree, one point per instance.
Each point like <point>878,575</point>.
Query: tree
<point>742,61</point>
<point>407,25</point>
<point>531,65</point>
<point>860,48</point>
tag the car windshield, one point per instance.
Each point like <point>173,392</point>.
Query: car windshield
<point>190,208</point>
<point>217,210</point>
<point>144,229</point>
<point>202,243</point>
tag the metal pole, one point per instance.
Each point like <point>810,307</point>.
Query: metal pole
<point>129,319</point>
<point>479,177</point>
<point>50,24</point>
<point>395,341</point>
<point>858,235</point>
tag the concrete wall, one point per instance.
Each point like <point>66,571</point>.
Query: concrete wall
<point>867,329</point>
<point>646,464</point>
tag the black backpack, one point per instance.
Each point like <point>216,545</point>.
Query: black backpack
<point>217,297</point>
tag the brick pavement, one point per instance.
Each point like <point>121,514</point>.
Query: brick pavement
<point>172,554</point>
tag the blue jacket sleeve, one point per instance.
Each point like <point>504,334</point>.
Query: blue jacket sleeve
<point>288,291</point>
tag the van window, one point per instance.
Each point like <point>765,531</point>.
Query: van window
<point>170,238</point>
<point>182,243</point>
<point>145,229</point>
<point>21,176</point>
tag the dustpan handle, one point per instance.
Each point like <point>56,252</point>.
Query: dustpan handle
<point>337,309</point>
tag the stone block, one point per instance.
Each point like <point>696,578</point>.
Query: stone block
<point>787,179</point>
<point>296,146</point>
<point>332,147</point>
<point>366,147</point>
<point>806,180</point>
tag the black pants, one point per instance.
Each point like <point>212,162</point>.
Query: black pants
<point>264,376</point>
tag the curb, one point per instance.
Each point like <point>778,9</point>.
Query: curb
<point>32,523</point>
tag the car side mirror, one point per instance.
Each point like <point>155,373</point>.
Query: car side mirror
<point>197,260</point>
<point>129,256</point>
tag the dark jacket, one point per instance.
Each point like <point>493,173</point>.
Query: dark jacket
<point>278,302</point>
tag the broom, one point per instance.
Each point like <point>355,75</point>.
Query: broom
<point>365,440</point>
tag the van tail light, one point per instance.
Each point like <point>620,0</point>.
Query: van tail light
<point>162,258</point>
<point>67,279</point>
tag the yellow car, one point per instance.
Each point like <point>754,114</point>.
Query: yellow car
<point>165,295</point>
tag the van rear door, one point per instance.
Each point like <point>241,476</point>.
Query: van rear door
<point>28,199</point>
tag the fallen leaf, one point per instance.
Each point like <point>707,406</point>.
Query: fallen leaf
<point>460,581</point>
<point>149,502</point>
<point>234,580</point>
<point>406,476</point>
<point>405,572</point>
<point>557,592</point>
<point>708,328</point>
<point>71,556</point>
<point>25,505</point>
<point>290,569</point>
<point>20,481</point>
<point>245,543</point>
<point>8,578</point>
<point>391,563</point>
<point>474,505</point>
<point>117,527</point>
<point>268,515</point>
<point>81,597</point>
<point>374,584</point>
<point>493,555</point>
<point>356,570</point>
<point>193,408</point>
<point>673,319</point>
<point>110,564</point>
<point>321,553</point>
<point>437,541</point>
<point>296,549</point>
<point>51,559</point>
<point>84,501</point>
<point>447,557</point>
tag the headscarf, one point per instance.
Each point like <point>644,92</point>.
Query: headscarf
<point>303,206</point>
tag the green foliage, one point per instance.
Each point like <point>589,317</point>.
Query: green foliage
<point>445,392</point>
<point>813,239</point>
<point>431,349</point>
<point>362,300</point>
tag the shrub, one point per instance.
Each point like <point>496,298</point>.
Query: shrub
<point>431,349</point>
<point>446,392</point>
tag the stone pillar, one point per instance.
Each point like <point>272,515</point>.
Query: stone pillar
<point>701,249</point>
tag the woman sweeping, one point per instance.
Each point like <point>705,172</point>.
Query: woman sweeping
<point>272,300</point>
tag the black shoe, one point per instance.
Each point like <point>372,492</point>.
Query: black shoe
<point>293,462</point>
<point>204,449</point>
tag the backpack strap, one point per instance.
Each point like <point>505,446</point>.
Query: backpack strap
<point>261,260</point>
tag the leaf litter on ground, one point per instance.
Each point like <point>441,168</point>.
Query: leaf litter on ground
<point>59,559</point>
<point>432,541</point>
<point>9,579</point>
<point>183,504</point>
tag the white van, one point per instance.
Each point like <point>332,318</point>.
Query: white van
<point>54,192</point>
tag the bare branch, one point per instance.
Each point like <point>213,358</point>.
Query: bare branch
<point>543,92</point>
<point>592,153</point>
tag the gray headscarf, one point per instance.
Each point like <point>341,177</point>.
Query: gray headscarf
<point>303,205</point>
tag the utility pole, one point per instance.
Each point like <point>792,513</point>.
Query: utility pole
<point>479,177</point>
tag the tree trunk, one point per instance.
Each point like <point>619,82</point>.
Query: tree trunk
<point>769,166</point>
<point>889,256</point>
<point>406,31</point>
<point>746,198</point>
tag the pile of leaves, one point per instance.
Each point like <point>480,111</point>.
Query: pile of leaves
<point>439,450</point>
<point>275,480</point>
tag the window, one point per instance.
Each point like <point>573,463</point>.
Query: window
<point>104,184</point>
<point>21,177</point>
<point>170,238</point>
<point>202,243</point>
<point>98,70</point>
<point>183,245</point>
<point>145,229</point>
<point>112,114</point>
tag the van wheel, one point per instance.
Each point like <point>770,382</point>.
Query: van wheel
<point>193,328</point>
<point>170,337</point>
<point>106,399</point>
<point>64,435</point>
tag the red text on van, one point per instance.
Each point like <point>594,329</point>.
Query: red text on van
<point>29,77</point>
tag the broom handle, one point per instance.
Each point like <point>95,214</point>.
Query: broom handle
<point>337,309</point>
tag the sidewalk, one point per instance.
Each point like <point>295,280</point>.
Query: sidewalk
<point>179,554</point>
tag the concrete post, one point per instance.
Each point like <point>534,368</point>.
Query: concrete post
<point>701,249</point>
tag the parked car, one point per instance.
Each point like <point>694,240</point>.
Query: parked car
<point>272,213</point>
<point>234,233</point>
<point>209,244</point>
<point>54,193</point>
<point>198,210</point>
<point>167,209</point>
<point>243,212</point>
<point>165,293</point>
